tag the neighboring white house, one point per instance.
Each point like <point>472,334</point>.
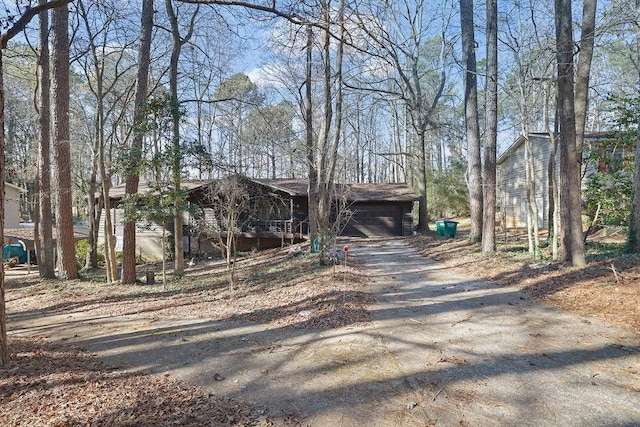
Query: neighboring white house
<point>511,191</point>
<point>12,205</point>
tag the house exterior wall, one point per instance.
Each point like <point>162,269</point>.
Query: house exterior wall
<point>148,236</point>
<point>11,206</point>
<point>512,184</point>
<point>511,191</point>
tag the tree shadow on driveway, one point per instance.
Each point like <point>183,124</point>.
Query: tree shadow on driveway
<point>440,349</point>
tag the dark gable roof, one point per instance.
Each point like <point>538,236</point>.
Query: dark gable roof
<point>117,192</point>
<point>293,187</point>
<point>378,192</point>
<point>399,192</point>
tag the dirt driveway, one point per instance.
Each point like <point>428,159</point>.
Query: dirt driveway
<point>442,349</point>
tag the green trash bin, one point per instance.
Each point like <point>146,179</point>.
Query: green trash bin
<point>450,228</point>
<point>440,228</point>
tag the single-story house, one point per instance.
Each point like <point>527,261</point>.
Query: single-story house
<point>511,190</point>
<point>148,234</point>
<point>377,209</point>
<point>373,210</point>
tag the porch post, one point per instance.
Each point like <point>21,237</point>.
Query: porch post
<point>291,218</point>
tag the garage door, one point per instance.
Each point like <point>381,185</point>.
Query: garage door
<point>371,219</point>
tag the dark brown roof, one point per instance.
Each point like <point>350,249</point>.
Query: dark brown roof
<point>293,187</point>
<point>117,192</point>
<point>398,192</point>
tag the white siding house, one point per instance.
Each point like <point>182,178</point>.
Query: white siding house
<point>148,236</point>
<point>511,191</point>
<point>12,205</point>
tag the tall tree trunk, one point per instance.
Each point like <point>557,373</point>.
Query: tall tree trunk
<point>423,216</point>
<point>554,195</point>
<point>37,245</point>
<point>491,131</point>
<point>310,145</point>
<point>178,267</point>
<point>15,29</point>
<point>337,129</point>
<point>99,162</point>
<point>133,173</point>
<point>552,186</point>
<point>45,255</point>
<point>474,170</point>
<point>571,212</point>
<point>633,243</point>
<point>531,193</point>
<point>176,167</point>
<point>583,71</point>
<point>95,208</point>
<point>322,160</point>
<point>4,345</point>
<point>91,260</point>
<point>68,268</point>
<point>109,233</point>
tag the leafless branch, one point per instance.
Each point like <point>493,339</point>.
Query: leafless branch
<point>26,17</point>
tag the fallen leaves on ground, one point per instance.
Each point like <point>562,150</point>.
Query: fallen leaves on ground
<point>269,287</point>
<point>47,384</point>
<point>608,287</point>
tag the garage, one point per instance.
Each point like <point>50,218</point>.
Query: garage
<point>380,210</point>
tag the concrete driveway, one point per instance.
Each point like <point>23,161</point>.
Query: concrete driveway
<point>442,349</point>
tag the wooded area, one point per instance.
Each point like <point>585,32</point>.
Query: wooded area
<point>370,91</point>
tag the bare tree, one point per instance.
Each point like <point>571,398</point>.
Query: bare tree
<point>634,221</point>
<point>527,86</point>
<point>326,152</point>
<point>474,169</point>
<point>14,28</point>
<point>553,190</point>
<point>234,202</point>
<point>43,224</point>
<point>309,136</point>
<point>409,41</point>
<point>132,169</point>
<point>68,267</point>
<point>571,212</point>
<point>583,70</point>
<point>178,42</point>
<point>104,68</point>
<point>491,131</point>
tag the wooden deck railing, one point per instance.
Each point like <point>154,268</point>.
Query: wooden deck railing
<point>278,226</point>
<point>285,226</point>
